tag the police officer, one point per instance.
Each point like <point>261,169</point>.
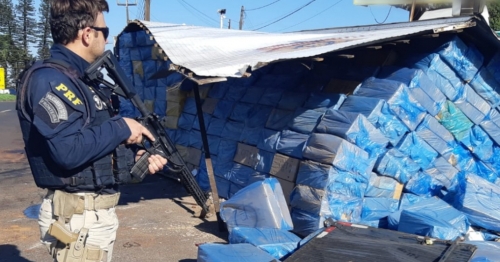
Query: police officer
<point>76,147</point>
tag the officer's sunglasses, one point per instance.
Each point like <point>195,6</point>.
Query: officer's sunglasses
<point>104,30</point>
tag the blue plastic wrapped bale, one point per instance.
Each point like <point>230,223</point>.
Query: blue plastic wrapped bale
<point>491,125</point>
<point>487,251</point>
<point>142,38</point>
<point>268,139</point>
<point>465,60</point>
<point>216,126</point>
<point>236,252</point>
<point>227,150</point>
<point>375,208</point>
<point>479,143</point>
<point>265,161</point>
<point>126,40</point>
<point>347,184</point>
<point>223,186</point>
<point>494,161</point>
<point>190,106</point>
<point>328,100</point>
<point>418,150</point>
<point>333,150</point>
<point>494,66</point>
<point>253,94</point>
<point>186,121</point>
<point>434,218</point>
<point>478,199</point>
<point>443,172</point>
<point>223,109</point>
<point>218,90</point>
<point>235,93</point>
<point>250,135</point>
<point>377,112</point>
<point>315,175</point>
<point>398,97</point>
<point>485,85</point>
<point>127,109</point>
<point>436,135</point>
<point>124,60</point>
<point>422,184</point>
<point>481,169</point>
<point>195,139</point>
<point>183,137</point>
<point>397,165</point>
<point>135,54</point>
<point>291,143</point>
<point>240,112</point>
<point>306,223</point>
<point>421,88</point>
<point>441,75</point>
<point>278,243</point>
<point>260,205</point>
<point>291,100</point>
<point>258,116</point>
<point>383,187</point>
<point>407,200</point>
<point>206,120</point>
<point>355,128</point>
<point>271,97</point>
<point>345,208</point>
<point>213,144</point>
<point>306,120</point>
<point>232,130</point>
<point>279,119</point>
<point>243,175</point>
<point>149,67</point>
<point>472,105</point>
<point>309,199</point>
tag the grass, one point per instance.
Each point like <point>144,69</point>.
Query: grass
<point>7,97</point>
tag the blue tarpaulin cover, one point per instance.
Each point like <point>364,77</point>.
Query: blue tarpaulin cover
<point>465,60</point>
<point>423,184</point>
<point>315,175</point>
<point>421,88</point>
<point>418,150</point>
<point>479,200</point>
<point>491,125</point>
<point>433,217</point>
<point>407,199</point>
<point>268,139</point>
<point>306,120</point>
<point>236,252</point>
<point>443,172</point>
<point>381,186</point>
<point>375,208</point>
<point>396,165</point>
<point>276,242</point>
<point>279,119</point>
<point>355,128</point>
<point>478,142</point>
<point>377,112</point>
<point>397,96</point>
<point>472,105</point>
<point>291,143</point>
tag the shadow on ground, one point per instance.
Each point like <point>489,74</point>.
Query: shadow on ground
<point>10,253</point>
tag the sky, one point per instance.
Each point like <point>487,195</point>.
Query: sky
<point>317,14</point>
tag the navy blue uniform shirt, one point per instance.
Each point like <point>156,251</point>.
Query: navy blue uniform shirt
<point>63,121</point>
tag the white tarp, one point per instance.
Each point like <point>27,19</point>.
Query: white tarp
<point>228,53</point>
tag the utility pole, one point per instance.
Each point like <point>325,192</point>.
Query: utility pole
<point>242,13</point>
<point>222,13</point>
<point>229,25</point>
<point>147,10</point>
<point>126,4</point>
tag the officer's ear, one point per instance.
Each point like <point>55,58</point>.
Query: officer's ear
<point>87,35</point>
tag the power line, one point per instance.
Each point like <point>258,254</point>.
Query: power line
<point>262,6</point>
<point>200,11</point>
<point>388,13</point>
<point>300,8</point>
<point>202,19</point>
<point>312,16</point>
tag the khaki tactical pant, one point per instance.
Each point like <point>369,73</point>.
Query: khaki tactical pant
<point>96,230</point>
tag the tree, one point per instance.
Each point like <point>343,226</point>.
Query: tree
<point>10,53</point>
<point>44,41</point>
<point>25,19</point>
<point>494,11</point>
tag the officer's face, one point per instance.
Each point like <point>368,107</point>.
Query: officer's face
<point>101,32</point>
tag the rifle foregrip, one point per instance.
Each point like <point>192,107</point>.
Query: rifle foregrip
<point>141,167</point>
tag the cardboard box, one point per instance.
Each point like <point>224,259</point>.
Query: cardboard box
<point>209,105</point>
<point>246,155</point>
<point>285,167</point>
<point>287,188</point>
<point>398,191</point>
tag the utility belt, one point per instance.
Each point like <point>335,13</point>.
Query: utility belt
<point>65,205</point>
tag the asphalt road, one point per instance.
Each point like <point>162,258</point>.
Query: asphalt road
<point>157,221</point>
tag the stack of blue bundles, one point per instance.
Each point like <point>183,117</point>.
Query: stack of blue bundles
<point>434,218</point>
<point>276,242</point>
<point>306,120</point>
<point>279,119</point>
<point>375,208</point>
<point>268,139</point>
<point>290,100</point>
<point>291,143</point>
<point>398,97</point>
<point>396,165</point>
<point>465,60</point>
<point>381,186</point>
<point>355,128</point>
<point>407,200</point>
<point>478,199</point>
<point>418,150</point>
<point>421,88</point>
<point>333,150</point>
<point>377,112</point>
<point>436,135</point>
<point>440,74</point>
<point>472,105</point>
<point>422,184</point>
<point>479,143</point>
<point>443,172</point>
<point>491,125</point>
<point>485,84</point>
<point>242,175</point>
<point>236,252</point>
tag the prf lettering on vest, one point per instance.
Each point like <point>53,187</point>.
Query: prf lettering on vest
<point>69,94</point>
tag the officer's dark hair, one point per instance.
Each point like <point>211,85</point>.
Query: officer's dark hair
<point>67,17</point>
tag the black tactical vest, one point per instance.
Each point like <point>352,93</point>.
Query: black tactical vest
<point>46,173</point>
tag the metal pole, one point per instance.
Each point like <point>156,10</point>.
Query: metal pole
<point>242,12</point>
<point>412,10</point>
<point>221,21</point>
<point>229,24</point>
<point>126,4</point>
<point>147,10</point>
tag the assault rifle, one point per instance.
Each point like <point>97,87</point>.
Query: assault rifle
<point>162,145</point>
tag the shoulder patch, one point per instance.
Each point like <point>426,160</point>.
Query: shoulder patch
<point>55,108</point>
